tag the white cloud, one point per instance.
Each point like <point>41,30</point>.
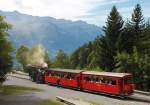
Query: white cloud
<point>4,5</point>
<point>66,9</point>
<point>56,8</point>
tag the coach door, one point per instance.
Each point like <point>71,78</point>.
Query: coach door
<point>121,85</point>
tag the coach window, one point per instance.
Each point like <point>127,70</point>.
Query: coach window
<point>72,76</point>
<point>106,81</point>
<point>102,80</point>
<point>57,75</point>
<point>67,76</point>
<point>87,78</point>
<point>54,74</point>
<point>50,74</point>
<point>97,79</point>
<point>113,82</point>
<point>92,79</point>
<point>62,75</point>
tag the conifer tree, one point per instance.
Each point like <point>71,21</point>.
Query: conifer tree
<point>126,39</point>
<point>109,42</point>
<point>146,39</point>
<point>138,25</point>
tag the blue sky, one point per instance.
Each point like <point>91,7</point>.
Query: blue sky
<point>125,7</point>
<point>91,11</point>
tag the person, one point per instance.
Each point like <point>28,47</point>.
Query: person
<point>87,78</point>
<point>97,80</point>
<point>113,82</point>
<point>110,82</point>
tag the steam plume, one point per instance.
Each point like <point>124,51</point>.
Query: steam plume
<point>36,56</point>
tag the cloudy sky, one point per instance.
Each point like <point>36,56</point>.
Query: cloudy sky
<point>91,11</point>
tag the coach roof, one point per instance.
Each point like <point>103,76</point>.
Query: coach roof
<point>66,70</point>
<point>109,74</point>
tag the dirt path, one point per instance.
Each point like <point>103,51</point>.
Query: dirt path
<point>50,92</point>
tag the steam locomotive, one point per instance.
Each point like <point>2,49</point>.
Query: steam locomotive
<point>36,73</point>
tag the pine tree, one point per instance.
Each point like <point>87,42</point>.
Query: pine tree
<point>137,24</point>
<point>146,39</point>
<point>126,39</point>
<point>109,42</point>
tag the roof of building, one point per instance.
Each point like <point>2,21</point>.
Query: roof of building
<point>66,70</point>
<point>109,74</point>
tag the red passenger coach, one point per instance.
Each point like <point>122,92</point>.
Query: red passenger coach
<point>101,82</point>
<point>107,82</point>
<point>64,77</point>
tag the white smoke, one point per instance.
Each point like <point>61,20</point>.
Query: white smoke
<point>36,56</point>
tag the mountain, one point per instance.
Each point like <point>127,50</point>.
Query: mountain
<point>52,33</point>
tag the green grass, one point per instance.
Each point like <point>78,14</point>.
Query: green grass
<point>12,89</point>
<point>50,102</point>
<point>94,103</point>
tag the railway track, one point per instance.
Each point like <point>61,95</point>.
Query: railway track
<point>142,92</point>
<point>139,98</point>
<point>135,99</point>
<point>17,75</point>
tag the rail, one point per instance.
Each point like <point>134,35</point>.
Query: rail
<point>20,73</point>
<point>142,92</point>
<point>19,76</point>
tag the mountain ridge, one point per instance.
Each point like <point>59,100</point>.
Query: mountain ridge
<point>52,33</point>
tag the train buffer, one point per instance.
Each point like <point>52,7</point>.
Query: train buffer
<point>70,101</point>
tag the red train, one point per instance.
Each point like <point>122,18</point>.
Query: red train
<point>102,82</point>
